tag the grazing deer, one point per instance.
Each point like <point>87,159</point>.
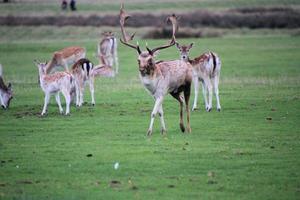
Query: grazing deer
<point>54,84</point>
<point>161,78</point>
<point>107,50</point>
<point>206,68</point>
<point>6,93</point>
<point>65,57</point>
<point>82,72</point>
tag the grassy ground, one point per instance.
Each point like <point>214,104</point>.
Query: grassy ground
<point>250,150</point>
<point>50,7</point>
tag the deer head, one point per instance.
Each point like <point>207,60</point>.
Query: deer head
<point>145,58</point>
<point>108,34</point>
<point>184,50</point>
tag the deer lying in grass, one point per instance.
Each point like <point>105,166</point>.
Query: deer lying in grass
<point>206,68</point>
<point>161,78</point>
<point>65,57</point>
<point>82,72</point>
<point>54,84</point>
<point>107,51</point>
<point>6,93</point>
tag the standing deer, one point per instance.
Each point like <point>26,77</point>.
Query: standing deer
<point>82,72</point>
<point>54,84</point>
<point>206,68</point>
<point>107,50</point>
<point>65,57</point>
<point>161,78</point>
<point>6,93</point>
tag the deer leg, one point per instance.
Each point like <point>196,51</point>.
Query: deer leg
<point>178,97</point>
<point>158,102</point>
<point>67,96</point>
<point>92,90</point>
<point>216,91</point>
<point>57,98</point>
<point>209,88</point>
<point>116,61</point>
<point>162,121</point>
<point>81,90</point>
<point>204,90</point>
<point>46,101</point>
<point>196,87</point>
<point>77,92</point>
<point>187,93</point>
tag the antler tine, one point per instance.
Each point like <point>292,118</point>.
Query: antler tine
<point>123,17</point>
<point>173,19</point>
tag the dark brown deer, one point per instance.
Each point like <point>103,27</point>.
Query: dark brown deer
<point>161,78</point>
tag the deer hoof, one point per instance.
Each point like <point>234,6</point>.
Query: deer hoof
<point>208,109</point>
<point>149,132</point>
<point>189,130</point>
<point>182,128</point>
<point>163,131</point>
<point>194,108</point>
<point>93,104</point>
<point>219,109</point>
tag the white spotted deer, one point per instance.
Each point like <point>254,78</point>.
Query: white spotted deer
<point>54,84</point>
<point>206,68</point>
<point>6,94</point>
<point>107,51</point>
<point>65,57</point>
<point>82,72</point>
<point>161,78</point>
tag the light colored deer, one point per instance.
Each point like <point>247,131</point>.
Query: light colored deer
<point>65,57</point>
<point>6,93</point>
<point>82,73</point>
<point>206,68</point>
<point>107,51</point>
<point>54,84</point>
<point>161,78</point>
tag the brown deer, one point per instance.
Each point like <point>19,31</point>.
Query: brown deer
<point>107,51</point>
<point>161,78</point>
<point>82,72</point>
<point>54,84</point>
<point>6,93</point>
<point>206,68</point>
<point>65,57</point>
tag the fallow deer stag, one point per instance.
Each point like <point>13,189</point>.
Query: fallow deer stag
<point>6,93</point>
<point>161,78</point>
<point>65,57</point>
<point>107,51</point>
<point>206,68</point>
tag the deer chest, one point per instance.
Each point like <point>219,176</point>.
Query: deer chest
<point>151,84</point>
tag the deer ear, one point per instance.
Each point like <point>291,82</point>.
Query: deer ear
<point>191,45</point>
<point>9,86</point>
<point>177,45</point>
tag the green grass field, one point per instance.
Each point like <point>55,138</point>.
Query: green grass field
<point>250,150</point>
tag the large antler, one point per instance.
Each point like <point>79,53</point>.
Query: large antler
<point>123,17</point>
<point>173,19</point>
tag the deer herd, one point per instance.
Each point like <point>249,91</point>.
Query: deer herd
<point>159,78</point>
